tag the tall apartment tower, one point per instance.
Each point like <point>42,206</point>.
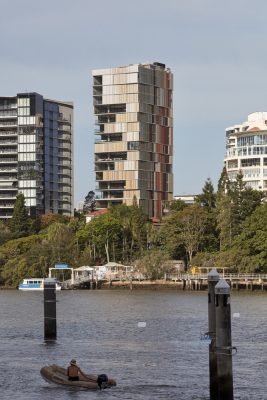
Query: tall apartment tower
<point>36,154</point>
<point>246,150</point>
<point>134,128</point>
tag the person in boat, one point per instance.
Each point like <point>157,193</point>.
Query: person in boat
<point>74,371</point>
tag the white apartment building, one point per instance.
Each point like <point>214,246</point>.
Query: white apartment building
<point>246,151</point>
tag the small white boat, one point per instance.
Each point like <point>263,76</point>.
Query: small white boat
<point>34,284</point>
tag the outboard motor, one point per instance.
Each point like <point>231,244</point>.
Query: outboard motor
<point>101,379</point>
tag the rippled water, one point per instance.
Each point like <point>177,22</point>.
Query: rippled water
<point>164,360</point>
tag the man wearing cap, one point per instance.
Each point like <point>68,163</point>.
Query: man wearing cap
<point>73,371</point>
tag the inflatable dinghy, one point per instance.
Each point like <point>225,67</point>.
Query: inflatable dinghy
<point>58,375</point>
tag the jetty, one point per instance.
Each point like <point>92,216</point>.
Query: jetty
<point>193,282</point>
<point>236,281</point>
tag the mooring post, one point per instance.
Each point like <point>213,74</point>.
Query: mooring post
<point>224,341</point>
<point>50,315</point>
<point>213,279</point>
<point>131,282</point>
<point>96,282</point>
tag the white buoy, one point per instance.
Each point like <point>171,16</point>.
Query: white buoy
<point>141,324</point>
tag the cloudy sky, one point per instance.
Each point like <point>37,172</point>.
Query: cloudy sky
<point>216,50</point>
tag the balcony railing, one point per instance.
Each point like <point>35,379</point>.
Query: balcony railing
<point>7,196</point>
<point>8,133</point>
<point>66,154</point>
<point>7,205</point>
<point>8,123</point>
<point>65,181</point>
<point>9,151</point>
<point>8,143</point>
<point>9,160</point>
<point>8,113</point>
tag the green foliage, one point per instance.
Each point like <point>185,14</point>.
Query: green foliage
<point>20,222</point>
<point>61,240</point>
<point>152,264</point>
<point>177,205</point>
<point>5,233</point>
<point>230,233</point>
<point>207,198</point>
<point>46,220</point>
<point>252,240</point>
<point>186,229</point>
<point>14,259</point>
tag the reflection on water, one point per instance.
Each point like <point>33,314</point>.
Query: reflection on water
<point>163,360</point>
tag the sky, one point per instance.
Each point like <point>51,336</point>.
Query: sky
<point>215,49</point>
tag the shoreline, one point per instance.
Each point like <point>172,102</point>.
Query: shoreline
<point>160,284</point>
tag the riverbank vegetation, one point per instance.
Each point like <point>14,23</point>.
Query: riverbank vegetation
<point>226,228</point>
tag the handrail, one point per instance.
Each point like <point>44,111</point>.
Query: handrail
<point>225,276</point>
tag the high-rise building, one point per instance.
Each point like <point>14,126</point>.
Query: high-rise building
<point>246,151</point>
<point>134,128</point>
<point>36,154</point>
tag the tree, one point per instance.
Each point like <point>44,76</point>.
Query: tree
<point>134,233</point>
<point>103,236</point>
<point>225,220</point>
<point>185,230</point>
<point>20,222</point>
<point>177,205</point>
<point>62,243</point>
<point>233,207</point>
<point>89,202</point>
<point>252,240</point>
<point>224,182</point>
<point>151,265</point>
<point>208,197</point>
<point>5,233</point>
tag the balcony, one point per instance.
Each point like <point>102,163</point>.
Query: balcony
<point>8,124</point>
<point>8,170</point>
<point>63,120</point>
<point>8,196</point>
<point>64,154</point>
<point>6,178</point>
<point>7,205</point>
<point>110,194</point>
<point>8,133</point>
<point>8,143</point>
<point>8,113</point>
<point>98,80</point>
<point>64,137</point>
<point>8,151</point>
<point>10,106</point>
<point>65,181</point>
<point>104,167</point>
<point>8,160</point>
<point>64,147</point>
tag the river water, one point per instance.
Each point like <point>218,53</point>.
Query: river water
<point>164,360</point>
